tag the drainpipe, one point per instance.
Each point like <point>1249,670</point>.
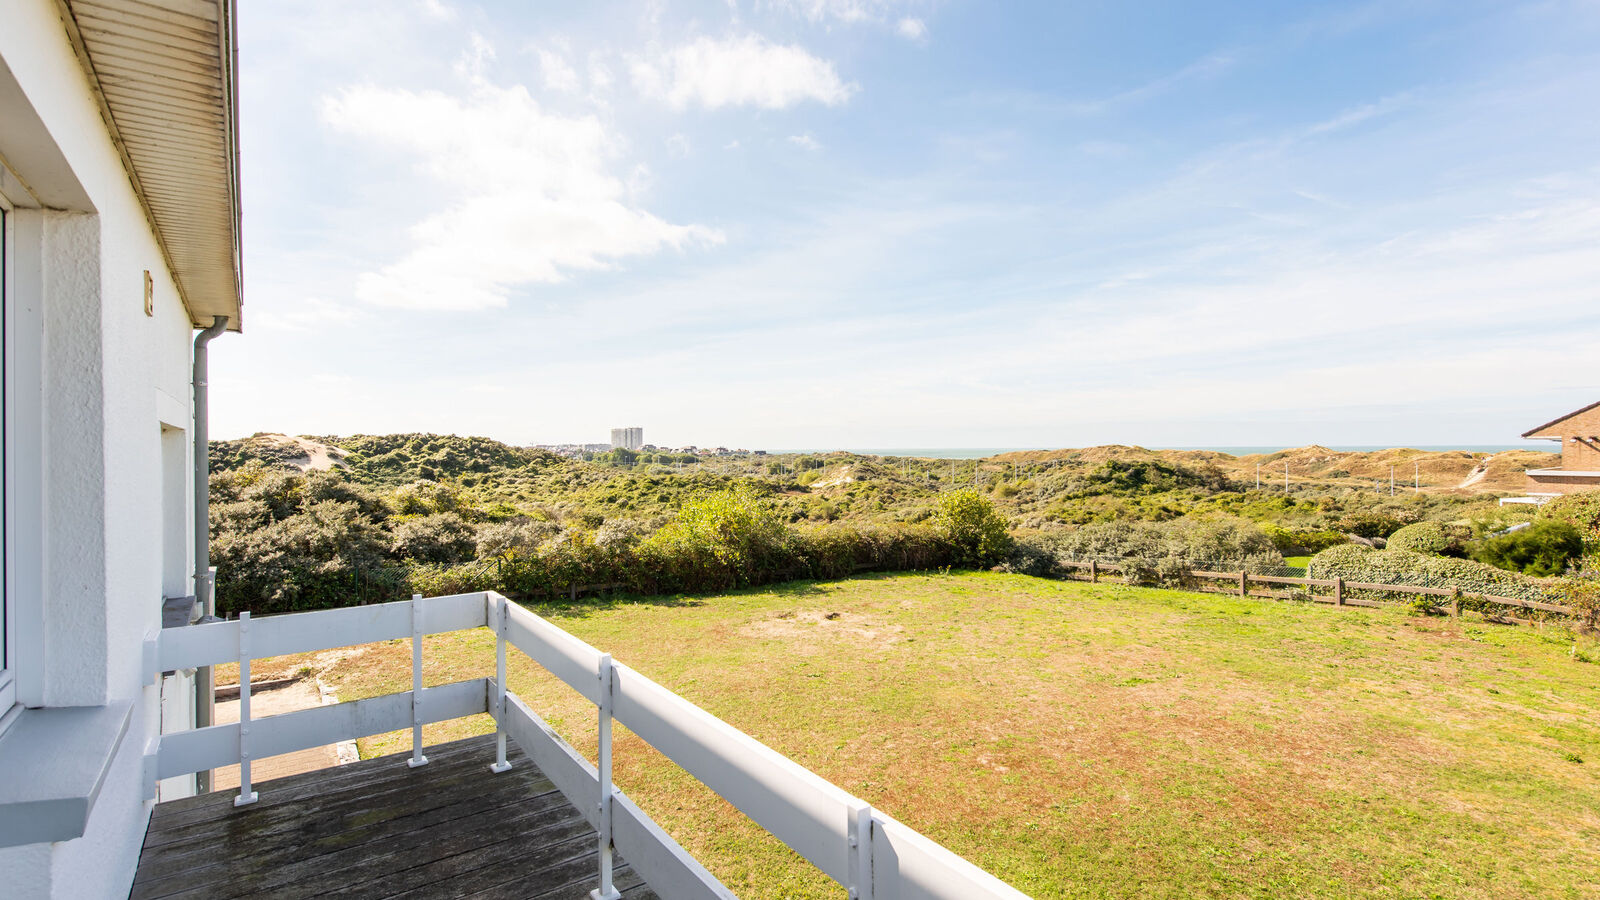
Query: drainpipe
<point>205,589</point>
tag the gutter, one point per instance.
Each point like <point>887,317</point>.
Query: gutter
<point>205,588</point>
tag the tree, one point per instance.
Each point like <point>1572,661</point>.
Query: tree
<point>971,524</point>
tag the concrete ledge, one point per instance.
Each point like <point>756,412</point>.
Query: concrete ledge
<point>53,763</point>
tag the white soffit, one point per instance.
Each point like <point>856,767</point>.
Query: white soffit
<point>164,70</point>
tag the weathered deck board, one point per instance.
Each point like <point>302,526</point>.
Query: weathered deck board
<point>378,829</point>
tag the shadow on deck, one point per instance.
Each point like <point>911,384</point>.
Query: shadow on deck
<point>380,829</point>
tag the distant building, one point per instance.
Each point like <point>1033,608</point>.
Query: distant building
<point>1579,434</point>
<point>631,438</point>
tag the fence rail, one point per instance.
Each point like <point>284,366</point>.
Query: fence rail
<point>1241,581</point>
<point>866,851</point>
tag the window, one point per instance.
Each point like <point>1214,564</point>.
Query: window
<point>8,681</point>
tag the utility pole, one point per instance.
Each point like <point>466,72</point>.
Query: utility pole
<point>1391,481</point>
<point>1286,476</point>
<point>1416,473</point>
<point>1258,476</point>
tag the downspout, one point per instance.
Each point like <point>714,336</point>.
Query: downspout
<point>205,590</point>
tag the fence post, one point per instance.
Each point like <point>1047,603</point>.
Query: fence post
<point>1338,590</point>
<point>417,759</point>
<point>607,673</point>
<point>501,627</point>
<point>1455,602</point>
<point>246,795</point>
<point>1244,584</point>
<point>1094,572</point>
<point>858,842</point>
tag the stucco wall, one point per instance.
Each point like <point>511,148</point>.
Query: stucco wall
<point>110,374</point>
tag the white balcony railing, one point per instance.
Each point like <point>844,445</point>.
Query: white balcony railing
<point>866,851</point>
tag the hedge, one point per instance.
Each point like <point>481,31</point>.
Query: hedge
<point>1356,563</point>
<point>1432,538</point>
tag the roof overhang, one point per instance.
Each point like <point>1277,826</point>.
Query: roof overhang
<point>163,73</point>
<point>1543,432</point>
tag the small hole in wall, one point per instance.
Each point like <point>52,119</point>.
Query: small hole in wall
<point>149,294</point>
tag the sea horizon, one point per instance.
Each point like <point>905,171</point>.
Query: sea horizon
<point>1241,450</point>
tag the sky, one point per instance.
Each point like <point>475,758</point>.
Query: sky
<point>917,223</point>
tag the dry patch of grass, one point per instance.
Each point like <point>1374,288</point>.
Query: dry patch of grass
<point>1098,740</point>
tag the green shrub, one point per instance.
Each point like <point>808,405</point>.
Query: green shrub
<point>1544,548</point>
<point>723,539</point>
<point>442,538</point>
<point>1581,593</point>
<point>1435,538</point>
<point>1581,511</point>
<point>1303,541</point>
<point>1356,563</point>
<point>971,524</point>
<point>1369,524</point>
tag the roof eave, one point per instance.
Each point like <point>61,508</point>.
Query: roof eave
<point>227,300</point>
<point>1534,432</point>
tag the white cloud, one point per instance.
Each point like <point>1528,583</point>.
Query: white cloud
<point>436,9</point>
<point>678,145</point>
<point>805,141</point>
<point>912,29</point>
<point>559,75</point>
<point>534,198</point>
<point>846,11</point>
<point>739,71</point>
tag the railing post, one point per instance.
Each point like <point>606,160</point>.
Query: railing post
<point>246,795</point>
<point>859,844</point>
<point>1244,584</point>
<point>501,625</point>
<point>417,759</point>
<point>1094,572</point>
<point>1338,590</point>
<point>1455,602</point>
<point>606,891</point>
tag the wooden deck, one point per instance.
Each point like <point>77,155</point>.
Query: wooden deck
<point>380,829</point>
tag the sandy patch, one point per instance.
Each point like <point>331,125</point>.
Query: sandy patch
<point>809,628</point>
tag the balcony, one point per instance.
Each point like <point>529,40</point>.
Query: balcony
<point>380,828</point>
<point>518,814</point>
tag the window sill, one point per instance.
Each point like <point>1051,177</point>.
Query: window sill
<point>53,762</point>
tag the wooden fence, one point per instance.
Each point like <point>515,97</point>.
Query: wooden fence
<point>1336,591</point>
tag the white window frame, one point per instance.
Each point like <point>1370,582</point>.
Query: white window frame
<point>22,683</point>
<point>8,630</point>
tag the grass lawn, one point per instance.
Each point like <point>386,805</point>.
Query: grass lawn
<point>1297,561</point>
<point>1103,741</point>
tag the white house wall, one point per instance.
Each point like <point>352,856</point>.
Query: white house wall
<point>111,376</point>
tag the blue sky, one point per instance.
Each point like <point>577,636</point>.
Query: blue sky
<point>915,223</point>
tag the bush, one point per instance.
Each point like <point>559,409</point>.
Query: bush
<point>1369,524</point>
<point>722,540</point>
<point>443,538</point>
<point>973,527</point>
<point>1544,548</point>
<point>519,535</point>
<point>1581,511</point>
<point>1435,538</point>
<point>1582,594</point>
<point>1356,563</point>
<point>1303,541</point>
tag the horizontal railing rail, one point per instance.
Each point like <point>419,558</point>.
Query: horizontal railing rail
<point>866,851</point>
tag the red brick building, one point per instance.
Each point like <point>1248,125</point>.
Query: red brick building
<point>1579,434</point>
